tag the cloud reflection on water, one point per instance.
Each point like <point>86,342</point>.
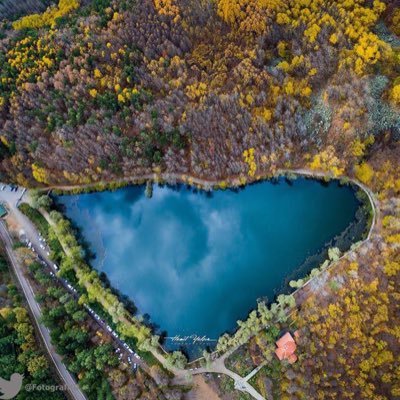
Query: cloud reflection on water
<point>196,264</point>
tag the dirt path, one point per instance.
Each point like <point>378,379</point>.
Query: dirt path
<point>201,390</point>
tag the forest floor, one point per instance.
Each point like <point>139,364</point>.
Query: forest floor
<point>201,390</point>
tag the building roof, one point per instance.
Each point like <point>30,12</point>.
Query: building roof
<point>285,339</point>
<point>292,358</point>
<point>286,348</point>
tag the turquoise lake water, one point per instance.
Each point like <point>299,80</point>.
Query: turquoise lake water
<point>198,262</point>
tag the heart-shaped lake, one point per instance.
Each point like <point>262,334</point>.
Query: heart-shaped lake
<point>198,262</point>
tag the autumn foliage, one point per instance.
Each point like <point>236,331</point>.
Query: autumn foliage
<point>115,89</point>
<point>48,17</point>
<point>230,91</point>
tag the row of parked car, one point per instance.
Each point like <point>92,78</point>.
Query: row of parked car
<point>43,246</point>
<point>113,333</point>
<point>130,360</point>
<point>13,188</point>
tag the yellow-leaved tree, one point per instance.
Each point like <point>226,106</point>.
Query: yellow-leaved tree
<point>395,94</point>
<point>48,17</point>
<point>327,161</point>
<point>396,22</point>
<point>168,7</point>
<point>248,15</point>
<point>364,172</point>
<point>39,173</point>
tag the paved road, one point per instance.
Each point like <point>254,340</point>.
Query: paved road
<point>241,383</point>
<point>255,370</point>
<point>34,238</point>
<point>218,365</point>
<point>66,377</point>
<point>29,231</point>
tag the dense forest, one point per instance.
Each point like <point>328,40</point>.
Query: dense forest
<point>87,351</point>
<point>228,91</point>
<point>347,316</point>
<point>19,349</point>
<point>101,90</point>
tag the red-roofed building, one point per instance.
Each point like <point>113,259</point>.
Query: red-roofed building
<point>286,346</point>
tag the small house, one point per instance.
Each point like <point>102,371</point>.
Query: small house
<point>286,347</point>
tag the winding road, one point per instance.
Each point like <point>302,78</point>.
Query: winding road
<point>34,307</point>
<point>241,383</point>
<point>11,199</point>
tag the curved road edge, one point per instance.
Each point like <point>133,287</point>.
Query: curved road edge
<point>65,376</point>
<point>218,366</point>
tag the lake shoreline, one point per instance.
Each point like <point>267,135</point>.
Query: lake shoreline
<point>288,175</point>
<point>229,183</point>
